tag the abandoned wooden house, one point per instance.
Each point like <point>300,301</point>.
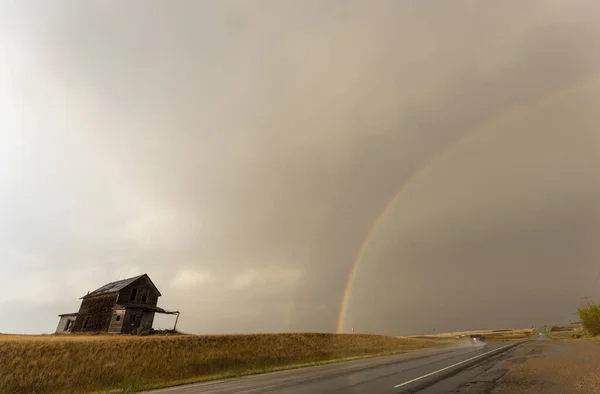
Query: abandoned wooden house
<point>123,306</point>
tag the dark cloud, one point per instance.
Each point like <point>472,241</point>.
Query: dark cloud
<point>240,152</point>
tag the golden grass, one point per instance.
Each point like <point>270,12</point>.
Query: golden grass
<point>569,332</point>
<point>567,335</point>
<point>491,335</point>
<point>78,363</point>
<point>513,335</point>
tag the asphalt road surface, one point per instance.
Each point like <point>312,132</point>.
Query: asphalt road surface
<point>429,371</point>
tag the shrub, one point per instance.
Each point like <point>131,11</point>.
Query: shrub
<point>590,318</point>
<point>142,332</point>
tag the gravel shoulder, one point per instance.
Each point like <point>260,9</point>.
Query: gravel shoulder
<point>559,366</point>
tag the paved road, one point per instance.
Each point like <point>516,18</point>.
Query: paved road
<point>405,373</point>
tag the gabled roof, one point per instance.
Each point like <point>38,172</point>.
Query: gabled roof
<point>119,285</point>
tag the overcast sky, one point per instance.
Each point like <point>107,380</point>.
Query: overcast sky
<point>239,152</point>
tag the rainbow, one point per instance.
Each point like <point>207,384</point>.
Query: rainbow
<point>374,230</point>
<point>516,110</point>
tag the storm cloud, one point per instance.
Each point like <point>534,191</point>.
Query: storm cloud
<point>240,152</point>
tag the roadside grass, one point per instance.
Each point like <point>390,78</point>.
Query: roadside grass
<point>566,335</point>
<point>499,335</point>
<point>590,317</point>
<point>588,326</point>
<point>513,335</point>
<point>570,331</point>
<point>103,363</point>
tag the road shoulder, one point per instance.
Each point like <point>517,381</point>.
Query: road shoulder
<point>559,366</point>
<point>535,367</point>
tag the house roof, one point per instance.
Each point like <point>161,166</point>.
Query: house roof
<point>68,314</point>
<point>119,285</point>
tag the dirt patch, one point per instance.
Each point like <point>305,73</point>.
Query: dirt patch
<point>553,367</point>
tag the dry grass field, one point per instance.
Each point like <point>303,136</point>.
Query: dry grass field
<point>571,331</point>
<point>101,363</point>
<point>491,335</point>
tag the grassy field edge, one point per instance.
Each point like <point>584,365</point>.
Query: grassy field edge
<point>101,363</point>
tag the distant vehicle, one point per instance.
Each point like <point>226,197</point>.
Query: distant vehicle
<point>477,339</point>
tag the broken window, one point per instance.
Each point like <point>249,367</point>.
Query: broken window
<point>133,294</point>
<point>132,317</point>
<point>118,317</point>
<point>144,299</point>
<point>68,325</point>
<point>87,320</point>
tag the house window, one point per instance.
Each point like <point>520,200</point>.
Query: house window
<point>118,317</point>
<point>87,320</point>
<point>133,294</point>
<point>68,325</point>
<point>144,299</point>
<point>132,317</point>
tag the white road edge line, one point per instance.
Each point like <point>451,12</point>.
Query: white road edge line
<point>451,366</point>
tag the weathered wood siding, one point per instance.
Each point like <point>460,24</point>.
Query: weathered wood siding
<point>115,325</point>
<point>143,288</point>
<point>132,320</point>
<point>147,320</point>
<point>99,310</point>
<point>62,324</point>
